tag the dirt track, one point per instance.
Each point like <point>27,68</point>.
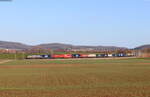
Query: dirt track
<point>4,61</point>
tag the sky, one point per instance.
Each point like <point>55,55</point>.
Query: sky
<point>124,23</point>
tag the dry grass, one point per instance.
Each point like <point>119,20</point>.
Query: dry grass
<point>84,78</point>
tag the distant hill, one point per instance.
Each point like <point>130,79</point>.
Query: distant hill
<point>54,46</point>
<point>142,47</point>
<point>101,47</point>
<point>13,45</point>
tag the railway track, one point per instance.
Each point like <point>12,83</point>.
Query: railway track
<point>91,58</point>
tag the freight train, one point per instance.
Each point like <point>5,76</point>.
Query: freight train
<point>66,56</point>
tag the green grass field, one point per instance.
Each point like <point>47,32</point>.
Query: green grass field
<point>75,78</point>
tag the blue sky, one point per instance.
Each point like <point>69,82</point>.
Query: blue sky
<point>80,22</point>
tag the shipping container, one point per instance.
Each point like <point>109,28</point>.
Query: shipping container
<point>110,55</point>
<point>34,57</point>
<point>58,56</point>
<point>101,55</point>
<point>129,54</point>
<point>84,56</point>
<point>75,55</point>
<point>46,56</point>
<point>67,56</point>
<point>63,56</point>
<point>98,56</point>
<point>114,55</point>
<point>106,55</point>
<point>91,55</point>
<point>121,55</point>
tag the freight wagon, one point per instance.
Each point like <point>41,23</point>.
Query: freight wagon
<point>101,55</point>
<point>91,55</point>
<point>119,55</point>
<point>46,56</point>
<point>110,55</point>
<point>57,56</point>
<point>34,57</point>
<point>65,56</point>
<point>76,55</point>
<point>62,56</point>
<point>84,56</point>
<point>38,57</point>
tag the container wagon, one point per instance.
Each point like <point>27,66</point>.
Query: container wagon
<point>34,57</point>
<point>101,55</point>
<point>67,56</point>
<point>121,55</point>
<point>46,56</point>
<point>57,56</point>
<point>62,56</point>
<point>98,56</point>
<point>110,55</point>
<point>92,56</point>
<point>76,55</point>
<point>84,56</point>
